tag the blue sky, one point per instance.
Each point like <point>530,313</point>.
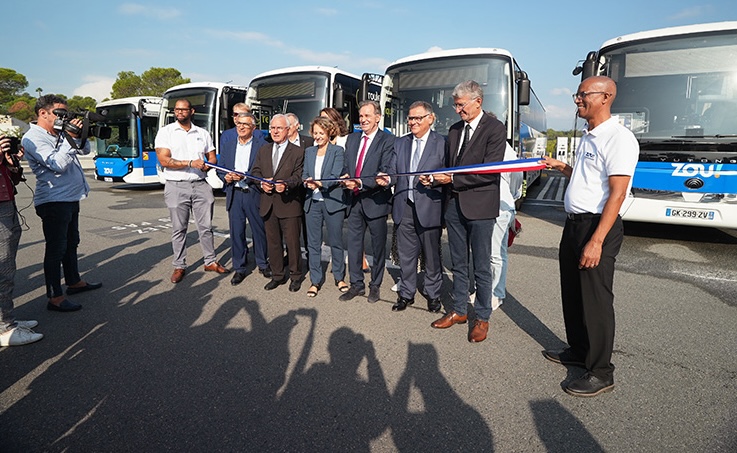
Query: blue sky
<point>78,47</point>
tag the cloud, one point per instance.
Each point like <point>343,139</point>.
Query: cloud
<point>327,11</point>
<point>561,92</point>
<point>97,87</point>
<point>693,12</point>
<point>149,11</point>
<point>435,49</point>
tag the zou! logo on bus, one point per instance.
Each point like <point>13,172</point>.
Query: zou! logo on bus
<point>693,170</point>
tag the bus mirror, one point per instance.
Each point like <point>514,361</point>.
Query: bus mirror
<point>338,97</point>
<point>589,66</point>
<point>523,89</point>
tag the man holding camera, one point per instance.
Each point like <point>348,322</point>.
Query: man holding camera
<point>12,332</point>
<point>51,146</point>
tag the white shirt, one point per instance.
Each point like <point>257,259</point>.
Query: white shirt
<point>474,124</point>
<point>609,149</point>
<point>281,147</point>
<point>510,183</point>
<point>319,160</point>
<point>185,146</point>
<point>242,159</point>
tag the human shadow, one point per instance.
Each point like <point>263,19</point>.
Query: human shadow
<point>442,421</point>
<point>331,407</point>
<point>531,324</point>
<point>559,430</point>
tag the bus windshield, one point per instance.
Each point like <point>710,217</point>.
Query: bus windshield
<point>203,101</point>
<point>303,94</point>
<point>676,88</point>
<point>433,81</point>
<point>123,141</point>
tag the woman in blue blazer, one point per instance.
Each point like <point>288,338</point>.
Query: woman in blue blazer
<point>325,202</point>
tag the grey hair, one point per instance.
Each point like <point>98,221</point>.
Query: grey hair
<point>375,104</point>
<point>290,117</point>
<point>279,116</point>
<point>425,105</point>
<point>468,88</point>
<point>241,106</point>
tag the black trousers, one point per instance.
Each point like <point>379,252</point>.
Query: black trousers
<point>588,299</point>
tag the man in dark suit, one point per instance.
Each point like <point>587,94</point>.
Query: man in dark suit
<point>239,109</point>
<point>242,197</point>
<point>417,209</point>
<point>281,202</point>
<point>472,207</point>
<point>367,153</point>
<point>303,141</point>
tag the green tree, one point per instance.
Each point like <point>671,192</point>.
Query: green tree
<point>12,84</point>
<point>153,82</point>
<point>78,103</point>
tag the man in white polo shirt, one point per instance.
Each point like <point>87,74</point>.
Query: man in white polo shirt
<point>182,148</point>
<point>593,233</point>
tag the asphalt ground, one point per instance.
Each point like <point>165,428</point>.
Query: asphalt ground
<point>205,366</point>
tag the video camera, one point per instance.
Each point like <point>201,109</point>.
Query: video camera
<point>89,127</point>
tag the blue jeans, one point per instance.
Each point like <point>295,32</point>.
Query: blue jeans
<point>61,231</point>
<point>499,252</point>
<point>9,239</point>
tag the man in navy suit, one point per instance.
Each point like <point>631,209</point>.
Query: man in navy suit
<point>417,208</point>
<point>473,206</point>
<point>231,134</point>
<point>242,197</point>
<point>367,153</point>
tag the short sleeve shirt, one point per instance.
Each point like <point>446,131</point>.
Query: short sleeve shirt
<point>185,146</point>
<point>609,149</point>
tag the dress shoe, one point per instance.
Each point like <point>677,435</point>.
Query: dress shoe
<point>402,303</point>
<point>177,275</point>
<point>265,271</point>
<point>65,305</point>
<point>80,289</point>
<point>237,278</point>
<point>216,267</point>
<point>294,286</point>
<point>352,292</point>
<point>274,284</point>
<point>589,385</point>
<point>434,305</point>
<point>373,296</point>
<point>449,319</point>
<point>564,357</point>
<point>479,331</point>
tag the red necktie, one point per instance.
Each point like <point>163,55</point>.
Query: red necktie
<point>359,163</point>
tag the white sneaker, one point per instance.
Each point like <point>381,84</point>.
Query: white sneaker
<point>496,302</point>
<point>19,336</point>
<point>30,324</point>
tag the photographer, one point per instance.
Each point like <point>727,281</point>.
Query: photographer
<point>12,331</point>
<point>60,184</point>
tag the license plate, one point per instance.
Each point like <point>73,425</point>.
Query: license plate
<point>108,179</point>
<point>699,214</point>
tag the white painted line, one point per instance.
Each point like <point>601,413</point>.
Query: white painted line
<point>541,195</point>
<point>561,188</point>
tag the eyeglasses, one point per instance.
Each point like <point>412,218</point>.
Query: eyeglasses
<point>249,125</point>
<point>277,128</point>
<point>462,106</point>
<point>237,114</point>
<point>583,94</point>
<point>417,119</point>
<point>182,110</point>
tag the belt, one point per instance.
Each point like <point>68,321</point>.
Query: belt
<point>582,216</point>
<point>410,202</point>
<point>188,181</point>
<point>241,189</point>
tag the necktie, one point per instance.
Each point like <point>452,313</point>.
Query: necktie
<point>466,134</point>
<point>413,168</point>
<point>275,158</point>
<point>359,162</point>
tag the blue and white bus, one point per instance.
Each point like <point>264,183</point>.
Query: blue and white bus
<point>677,91</point>
<point>128,155</point>
<point>212,103</point>
<point>432,76</point>
<point>304,91</point>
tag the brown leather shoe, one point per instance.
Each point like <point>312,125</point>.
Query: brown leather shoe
<point>449,319</point>
<point>216,267</point>
<point>177,276</point>
<point>479,331</point>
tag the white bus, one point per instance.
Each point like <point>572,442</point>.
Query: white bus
<point>212,103</point>
<point>677,91</point>
<point>304,91</point>
<point>128,155</point>
<point>432,76</point>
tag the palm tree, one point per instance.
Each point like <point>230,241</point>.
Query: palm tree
<point>39,90</point>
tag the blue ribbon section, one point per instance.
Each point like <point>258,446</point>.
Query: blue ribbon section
<point>245,175</point>
<point>686,177</point>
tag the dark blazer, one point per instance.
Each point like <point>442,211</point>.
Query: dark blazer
<point>226,159</point>
<point>478,195</point>
<point>332,167</point>
<point>289,171</point>
<point>305,141</point>
<point>428,200</point>
<point>374,198</point>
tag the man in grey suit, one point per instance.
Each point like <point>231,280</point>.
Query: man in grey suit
<point>417,208</point>
<point>367,153</point>
<point>473,206</point>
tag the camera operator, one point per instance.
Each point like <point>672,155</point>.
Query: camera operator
<point>60,184</point>
<point>12,332</point>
